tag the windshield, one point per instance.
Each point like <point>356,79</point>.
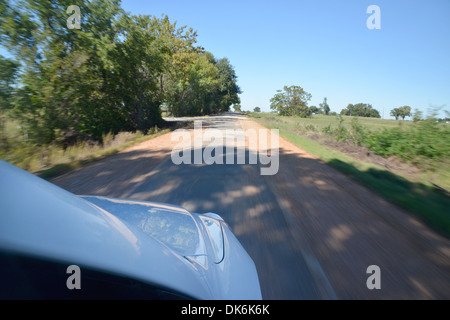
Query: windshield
<point>173,226</point>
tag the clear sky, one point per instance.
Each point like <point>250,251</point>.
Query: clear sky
<point>325,47</point>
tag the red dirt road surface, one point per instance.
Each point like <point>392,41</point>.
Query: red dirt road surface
<point>311,231</point>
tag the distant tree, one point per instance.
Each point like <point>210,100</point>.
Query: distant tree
<point>237,107</point>
<point>402,112</point>
<point>291,101</point>
<point>395,113</point>
<point>257,109</point>
<point>405,112</point>
<point>418,115</point>
<point>360,110</point>
<point>324,106</point>
<point>314,110</point>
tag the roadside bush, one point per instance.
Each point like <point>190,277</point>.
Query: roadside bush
<point>342,133</point>
<point>388,142</point>
<point>327,130</point>
<point>357,132</point>
<point>311,128</point>
<point>427,139</point>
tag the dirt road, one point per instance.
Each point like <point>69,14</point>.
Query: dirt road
<point>311,231</point>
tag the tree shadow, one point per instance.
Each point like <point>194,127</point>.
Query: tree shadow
<point>307,204</point>
<point>424,201</point>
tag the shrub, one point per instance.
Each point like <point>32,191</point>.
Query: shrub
<point>311,128</point>
<point>357,132</point>
<point>341,131</point>
<point>327,130</point>
<point>424,140</point>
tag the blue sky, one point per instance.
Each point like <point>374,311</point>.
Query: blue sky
<point>325,47</point>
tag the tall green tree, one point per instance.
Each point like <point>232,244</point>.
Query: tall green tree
<point>405,111</point>
<point>228,91</point>
<point>324,106</point>
<point>64,70</point>
<point>9,70</point>
<point>395,113</point>
<point>401,112</point>
<point>112,74</point>
<point>290,101</point>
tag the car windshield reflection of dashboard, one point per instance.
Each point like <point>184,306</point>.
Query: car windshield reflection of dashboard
<point>175,228</point>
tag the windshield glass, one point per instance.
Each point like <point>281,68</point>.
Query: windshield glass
<point>173,226</point>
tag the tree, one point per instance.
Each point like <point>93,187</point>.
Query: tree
<point>9,71</point>
<point>292,101</point>
<point>314,110</point>
<point>113,74</point>
<point>402,112</point>
<point>360,110</point>
<point>8,75</point>
<point>417,116</point>
<point>324,106</point>
<point>63,84</point>
<point>201,84</point>
<point>257,109</point>
<point>395,113</point>
<point>237,107</point>
<point>405,111</point>
<point>228,90</point>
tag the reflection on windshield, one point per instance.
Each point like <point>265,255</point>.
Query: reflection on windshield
<point>175,228</point>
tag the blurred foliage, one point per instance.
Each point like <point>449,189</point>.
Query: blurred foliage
<point>114,74</point>
<point>425,140</point>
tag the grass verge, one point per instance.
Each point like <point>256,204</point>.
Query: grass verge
<point>61,168</point>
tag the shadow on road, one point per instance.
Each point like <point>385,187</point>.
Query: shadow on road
<point>311,231</point>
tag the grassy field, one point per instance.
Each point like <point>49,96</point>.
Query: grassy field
<point>320,121</point>
<point>417,196</point>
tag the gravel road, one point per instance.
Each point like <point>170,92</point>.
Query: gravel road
<point>311,230</point>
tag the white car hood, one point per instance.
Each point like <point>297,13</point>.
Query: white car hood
<point>40,219</point>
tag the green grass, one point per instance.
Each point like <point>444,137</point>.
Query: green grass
<point>320,121</point>
<point>421,199</point>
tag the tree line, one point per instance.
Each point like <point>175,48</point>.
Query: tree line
<point>293,101</point>
<point>113,74</point>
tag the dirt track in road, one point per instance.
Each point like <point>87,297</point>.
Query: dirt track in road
<point>337,226</point>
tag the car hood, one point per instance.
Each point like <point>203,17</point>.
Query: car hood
<point>40,219</point>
